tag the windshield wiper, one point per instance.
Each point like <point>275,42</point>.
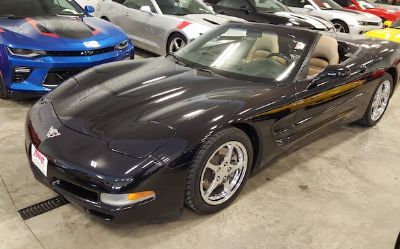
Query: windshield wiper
<point>179,60</point>
<point>203,69</point>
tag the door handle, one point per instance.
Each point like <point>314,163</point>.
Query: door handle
<point>126,14</point>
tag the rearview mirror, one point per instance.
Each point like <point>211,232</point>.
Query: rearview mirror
<point>330,72</point>
<point>309,7</point>
<point>146,9</point>
<point>387,24</point>
<point>89,9</point>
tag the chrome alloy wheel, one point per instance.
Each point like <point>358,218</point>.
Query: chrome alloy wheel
<point>339,27</point>
<point>381,100</point>
<point>176,44</point>
<point>223,173</point>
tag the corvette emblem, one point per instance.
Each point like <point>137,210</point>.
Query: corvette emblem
<point>53,132</point>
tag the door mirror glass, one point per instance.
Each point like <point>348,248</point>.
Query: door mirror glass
<point>309,7</point>
<point>331,72</point>
<point>146,9</point>
<point>89,9</point>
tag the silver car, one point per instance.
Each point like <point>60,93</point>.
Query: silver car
<point>345,21</point>
<point>161,26</point>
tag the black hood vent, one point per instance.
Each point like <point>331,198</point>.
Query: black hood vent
<point>212,22</point>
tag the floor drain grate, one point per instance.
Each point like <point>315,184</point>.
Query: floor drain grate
<point>42,207</point>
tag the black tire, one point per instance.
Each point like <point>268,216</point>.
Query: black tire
<point>193,198</point>
<point>342,24</point>
<point>105,18</point>
<point>367,120</point>
<point>172,38</point>
<point>4,93</point>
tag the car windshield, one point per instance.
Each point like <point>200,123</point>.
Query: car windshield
<point>183,7</point>
<point>250,53</point>
<point>31,8</point>
<point>327,4</point>
<point>268,6</point>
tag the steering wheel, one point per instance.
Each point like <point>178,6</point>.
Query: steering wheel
<point>287,59</point>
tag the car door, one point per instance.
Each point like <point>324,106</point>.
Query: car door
<point>143,27</point>
<point>324,100</point>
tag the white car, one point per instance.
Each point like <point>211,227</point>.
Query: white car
<point>345,21</point>
<point>161,26</point>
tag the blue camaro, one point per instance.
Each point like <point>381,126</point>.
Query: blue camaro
<point>45,42</point>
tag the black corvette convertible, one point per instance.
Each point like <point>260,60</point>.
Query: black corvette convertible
<point>139,139</point>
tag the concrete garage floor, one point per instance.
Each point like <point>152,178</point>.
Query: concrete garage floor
<point>342,191</point>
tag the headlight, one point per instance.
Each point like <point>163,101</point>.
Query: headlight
<point>26,52</point>
<point>122,45</point>
<point>127,199</point>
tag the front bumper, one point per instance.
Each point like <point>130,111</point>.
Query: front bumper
<point>358,29</point>
<point>69,172</point>
<point>48,72</point>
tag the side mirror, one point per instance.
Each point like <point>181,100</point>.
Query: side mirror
<point>387,24</point>
<point>146,9</point>
<point>89,9</point>
<point>309,7</point>
<point>210,8</point>
<point>331,72</point>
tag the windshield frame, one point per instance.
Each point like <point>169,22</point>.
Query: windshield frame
<point>73,3</point>
<point>210,12</point>
<point>308,36</point>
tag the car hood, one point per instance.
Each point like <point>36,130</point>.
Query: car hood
<point>210,20</point>
<point>307,21</point>
<point>389,34</point>
<point>385,11</point>
<point>60,33</point>
<point>106,101</point>
<point>358,15</point>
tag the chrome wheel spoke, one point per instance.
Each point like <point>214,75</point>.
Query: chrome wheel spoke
<point>212,167</point>
<point>228,156</point>
<point>176,44</point>
<point>223,173</point>
<point>380,100</point>
<point>215,183</point>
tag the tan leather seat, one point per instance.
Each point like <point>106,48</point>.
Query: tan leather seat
<point>326,53</point>
<point>264,46</point>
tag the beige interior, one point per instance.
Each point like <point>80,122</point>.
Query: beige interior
<point>326,53</point>
<point>264,46</point>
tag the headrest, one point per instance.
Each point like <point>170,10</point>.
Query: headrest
<point>327,48</point>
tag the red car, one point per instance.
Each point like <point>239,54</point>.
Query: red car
<point>384,14</point>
